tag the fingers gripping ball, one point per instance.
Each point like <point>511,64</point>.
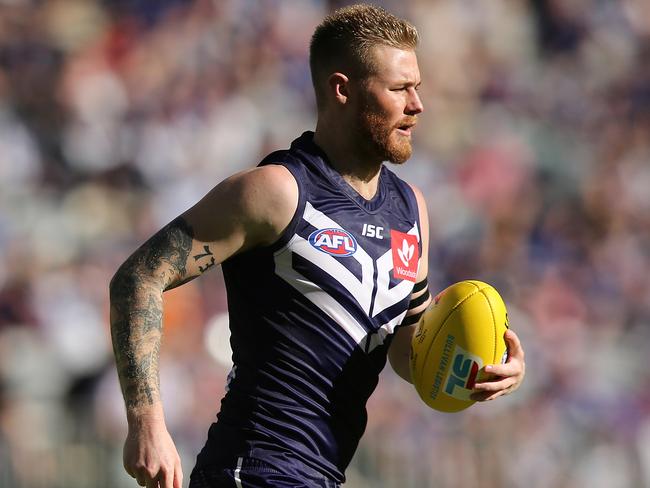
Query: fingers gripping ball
<point>459,333</point>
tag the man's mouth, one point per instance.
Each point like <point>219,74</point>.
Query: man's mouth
<point>405,129</point>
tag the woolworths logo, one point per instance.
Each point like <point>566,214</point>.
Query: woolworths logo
<point>405,255</point>
<point>406,252</point>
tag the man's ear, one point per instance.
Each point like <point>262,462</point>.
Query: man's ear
<point>339,87</point>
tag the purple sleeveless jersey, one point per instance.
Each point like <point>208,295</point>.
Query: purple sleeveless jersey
<point>311,319</point>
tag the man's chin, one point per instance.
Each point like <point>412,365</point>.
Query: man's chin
<point>400,152</point>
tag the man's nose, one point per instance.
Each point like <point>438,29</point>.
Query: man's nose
<point>414,105</point>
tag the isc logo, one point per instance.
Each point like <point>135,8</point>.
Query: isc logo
<point>462,377</point>
<point>336,242</point>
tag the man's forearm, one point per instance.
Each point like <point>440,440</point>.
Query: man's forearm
<point>136,330</point>
<point>137,309</point>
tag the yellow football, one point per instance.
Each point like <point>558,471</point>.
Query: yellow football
<point>459,333</point>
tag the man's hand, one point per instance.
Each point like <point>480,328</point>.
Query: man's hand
<point>151,457</point>
<point>504,378</point>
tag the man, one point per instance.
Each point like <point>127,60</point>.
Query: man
<point>324,253</point>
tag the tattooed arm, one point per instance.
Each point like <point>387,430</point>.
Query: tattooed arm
<point>244,211</point>
<point>137,308</point>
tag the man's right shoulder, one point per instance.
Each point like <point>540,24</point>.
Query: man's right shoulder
<point>268,195</point>
<point>269,182</point>
<point>249,208</point>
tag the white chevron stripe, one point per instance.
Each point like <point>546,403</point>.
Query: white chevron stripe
<point>317,296</point>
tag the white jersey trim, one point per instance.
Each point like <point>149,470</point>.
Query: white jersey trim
<point>323,300</point>
<point>237,473</point>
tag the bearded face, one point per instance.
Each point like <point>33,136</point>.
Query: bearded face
<point>387,105</point>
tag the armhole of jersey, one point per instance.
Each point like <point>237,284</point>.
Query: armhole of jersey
<point>413,201</point>
<point>300,208</point>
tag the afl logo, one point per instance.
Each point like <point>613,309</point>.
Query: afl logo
<point>335,242</point>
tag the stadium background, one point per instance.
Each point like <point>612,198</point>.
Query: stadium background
<point>533,151</point>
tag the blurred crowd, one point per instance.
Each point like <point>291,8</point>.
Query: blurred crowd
<point>534,155</point>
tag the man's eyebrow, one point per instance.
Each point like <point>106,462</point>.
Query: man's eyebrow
<point>407,82</point>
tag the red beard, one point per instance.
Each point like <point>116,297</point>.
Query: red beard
<point>380,140</point>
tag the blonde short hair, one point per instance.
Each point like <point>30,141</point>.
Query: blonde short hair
<point>344,41</point>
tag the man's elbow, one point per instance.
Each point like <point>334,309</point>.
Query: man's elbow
<point>120,282</point>
<point>128,281</point>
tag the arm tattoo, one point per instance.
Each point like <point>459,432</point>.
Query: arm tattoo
<point>137,309</point>
<point>207,253</point>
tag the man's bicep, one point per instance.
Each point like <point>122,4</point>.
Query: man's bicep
<point>185,248</point>
<point>243,211</point>
<point>218,226</point>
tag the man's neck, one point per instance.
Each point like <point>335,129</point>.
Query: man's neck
<point>361,173</point>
